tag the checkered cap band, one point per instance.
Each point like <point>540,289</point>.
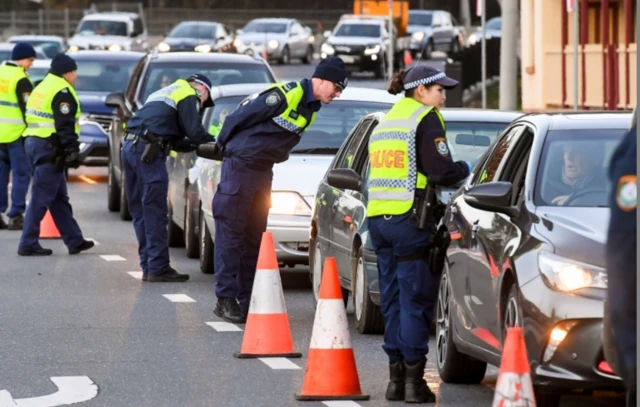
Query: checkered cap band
<point>424,81</point>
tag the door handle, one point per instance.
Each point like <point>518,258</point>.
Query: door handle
<point>474,229</point>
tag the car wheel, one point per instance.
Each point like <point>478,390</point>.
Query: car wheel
<point>453,366</point>
<point>124,202</point>
<point>113,191</point>
<point>175,236</point>
<point>379,71</point>
<point>206,247</point>
<point>308,56</point>
<point>512,312</point>
<point>428,50</point>
<point>369,319</point>
<point>547,399</point>
<point>285,58</point>
<point>191,239</point>
<point>455,47</point>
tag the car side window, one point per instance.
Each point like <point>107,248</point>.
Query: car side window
<point>130,93</point>
<point>361,164</point>
<point>349,154</point>
<point>490,166</point>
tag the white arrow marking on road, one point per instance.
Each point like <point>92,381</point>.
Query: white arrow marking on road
<point>112,257</point>
<point>71,390</point>
<point>279,363</point>
<point>224,326</point>
<point>135,274</point>
<point>341,403</point>
<point>178,298</point>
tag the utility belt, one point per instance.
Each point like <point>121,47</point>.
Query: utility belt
<point>153,145</point>
<point>58,157</point>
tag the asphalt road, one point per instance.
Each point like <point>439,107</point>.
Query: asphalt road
<point>85,316</point>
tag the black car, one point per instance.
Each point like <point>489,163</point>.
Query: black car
<point>158,70</point>
<point>339,226</point>
<point>528,234</point>
<point>198,36</point>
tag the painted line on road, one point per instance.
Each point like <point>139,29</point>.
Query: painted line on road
<point>135,274</point>
<point>178,298</point>
<point>112,257</point>
<point>224,326</point>
<point>279,363</point>
<point>341,403</point>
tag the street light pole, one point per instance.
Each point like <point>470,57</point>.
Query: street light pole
<point>390,56</point>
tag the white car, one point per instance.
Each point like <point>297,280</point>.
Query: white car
<point>113,31</point>
<point>51,45</point>
<point>296,180</point>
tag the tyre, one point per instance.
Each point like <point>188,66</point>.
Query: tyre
<point>453,366</point>
<point>308,56</point>
<point>285,58</point>
<point>369,319</point>
<point>191,238</point>
<point>113,191</point>
<point>206,247</point>
<point>124,202</point>
<point>379,71</point>
<point>547,399</point>
<point>316,263</point>
<point>175,236</point>
<point>428,50</point>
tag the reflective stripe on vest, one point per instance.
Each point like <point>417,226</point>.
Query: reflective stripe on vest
<point>290,119</point>
<point>394,175</point>
<point>39,114</point>
<point>173,94</point>
<point>12,122</point>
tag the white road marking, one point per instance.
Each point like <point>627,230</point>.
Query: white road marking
<point>93,240</point>
<point>71,390</point>
<point>178,298</point>
<point>280,363</point>
<point>135,274</point>
<point>224,326</point>
<point>341,403</point>
<point>112,257</point>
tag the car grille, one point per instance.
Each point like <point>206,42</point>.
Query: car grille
<point>104,121</point>
<point>349,49</point>
<point>97,47</point>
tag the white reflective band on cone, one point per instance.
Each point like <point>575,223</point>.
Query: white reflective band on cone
<point>271,298</point>
<point>331,329</point>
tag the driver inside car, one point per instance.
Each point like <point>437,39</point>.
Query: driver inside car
<point>582,169</point>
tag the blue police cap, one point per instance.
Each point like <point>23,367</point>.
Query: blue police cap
<point>426,75</point>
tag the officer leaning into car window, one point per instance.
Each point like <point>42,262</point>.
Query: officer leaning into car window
<point>15,87</point>
<point>253,138</point>
<point>51,143</point>
<point>157,128</point>
<point>407,151</point>
<point>622,260</point>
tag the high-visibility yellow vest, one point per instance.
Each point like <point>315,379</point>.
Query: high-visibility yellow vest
<point>12,122</point>
<point>393,174</point>
<point>40,122</point>
<point>173,94</point>
<point>290,119</point>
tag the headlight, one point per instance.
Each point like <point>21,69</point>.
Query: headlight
<point>115,48</point>
<point>327,49</point>
<point>73,48</point>
<point>567,275</point>
<point>289,203</point>
<point>238,42</point>
<point>82,146</point>
<point>273,44</point>
<point>472,39</point>
<point>312,39</point>
<point>204,48</point>
<point>418,36</point>
<point>372,50</point>
<point>163,47</point>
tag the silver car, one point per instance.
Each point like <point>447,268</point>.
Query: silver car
<point>280,38</point>
<point>296,180</point>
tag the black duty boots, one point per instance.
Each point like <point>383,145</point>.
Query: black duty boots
<point>415,388</point>
<point>395,390</point>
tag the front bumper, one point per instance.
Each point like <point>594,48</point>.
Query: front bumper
<point>291,238</point>
<point>94,145</point>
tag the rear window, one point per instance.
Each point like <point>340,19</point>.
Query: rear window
<point>161,74</point>
<point>468,141</point>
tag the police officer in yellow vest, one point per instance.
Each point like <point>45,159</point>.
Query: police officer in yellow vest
<point>254,137</point>
<point>215,127</point>
<point>51,143</point>
<point>15,87</point>
<point>407,151</point>
<point>161,125</point>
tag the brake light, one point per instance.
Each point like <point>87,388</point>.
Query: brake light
<point>605,368</point>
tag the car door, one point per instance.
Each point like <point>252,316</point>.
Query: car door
<point>485,244</point>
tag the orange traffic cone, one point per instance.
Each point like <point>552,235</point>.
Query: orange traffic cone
<point>408,59</point>
<point>267,333</point>
<point>331,369</point>
<point>514,388</point>
<point>48,229</point>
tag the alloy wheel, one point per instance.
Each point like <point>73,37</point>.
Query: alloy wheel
<point>442,320</point>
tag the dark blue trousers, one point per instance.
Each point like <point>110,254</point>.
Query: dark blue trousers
<point>48,191</point>
<point>408,289</point>
<point>147,186</point>
<point>240,209</point>
<point>13,159</point>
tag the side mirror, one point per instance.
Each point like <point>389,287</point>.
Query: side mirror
<point>115,99</point>
<point>492,197</point>
<point>345,178</point>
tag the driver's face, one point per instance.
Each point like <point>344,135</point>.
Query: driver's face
<point>576,162</point>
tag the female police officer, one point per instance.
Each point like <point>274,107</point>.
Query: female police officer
<point>407,151</point>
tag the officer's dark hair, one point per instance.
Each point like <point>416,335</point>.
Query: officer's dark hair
<point>396,85</point>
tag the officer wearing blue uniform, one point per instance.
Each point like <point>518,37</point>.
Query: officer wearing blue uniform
<point>51,143</point>
<point>622,266</point>
<point>159,126</point>
<point>253,138</point>
<point>408,152</point>
<point>13,104</point>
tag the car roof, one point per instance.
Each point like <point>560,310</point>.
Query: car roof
<point>194,22</point>
<point>180,57</point>
<point>350,94</point>
<point>582,120</point>
<point>273,20</point>
<point>479,115</point>
<point>6,45</point>
<point>117,56</point>
<point>240,89</point>
<point>35,37</point>
<point>423,11</point>
<point>112,15</point>
<point>362,20</point>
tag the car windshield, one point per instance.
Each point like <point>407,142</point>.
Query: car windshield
<point>221,109</point>
<point>37,73</point>
<point>161,74</point>
<point>98,27</point>
<point>574,168</point>
<point>358,30</point>
<point>332,125</point>
<point>469,140</point>
<point>494,24</point>
<point>420,19</point>
<point>103,75</point>
<point>50,48</point>
<point>265,27</point>
<point>193,31</point>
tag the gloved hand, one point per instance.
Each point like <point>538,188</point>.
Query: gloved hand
<point>210,151</point>
<point>184,146</point>
<point>71,160</point>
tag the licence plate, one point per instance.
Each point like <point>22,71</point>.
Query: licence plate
<point>348,59</point>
